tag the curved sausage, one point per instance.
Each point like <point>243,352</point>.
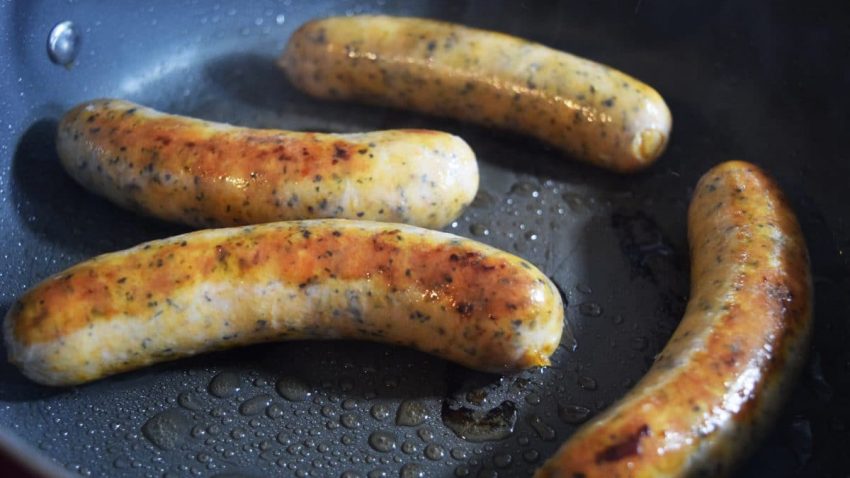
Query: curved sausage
<point>721,378</point>
<point>220,288</point>
<point>211,174</point>
<point>586,109</point>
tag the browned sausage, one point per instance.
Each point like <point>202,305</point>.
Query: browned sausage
<point>589,110</point>
<point>212,174</point>
<point>221,288</point>
<point>719,381</point>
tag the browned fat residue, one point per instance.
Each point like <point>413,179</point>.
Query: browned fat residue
<point>627,447</point>
<point>139,282</point>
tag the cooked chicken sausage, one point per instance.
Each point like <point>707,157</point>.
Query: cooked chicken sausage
<point>589,110</point>
<point>220,288</point>
<point>211,174</point>
<point>720,379</point>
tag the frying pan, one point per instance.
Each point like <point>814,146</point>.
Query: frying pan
<point>761,81</point>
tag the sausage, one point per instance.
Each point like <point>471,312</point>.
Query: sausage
<point>211,174</point>
<point>590,111</point>
<point>220,288</point>
<point>724,373</point>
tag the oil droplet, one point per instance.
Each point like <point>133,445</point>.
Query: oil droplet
<point>349,420</point>
<point>425,434</point>
<point>543,430</point>
<point>274,411</point>
<point>533,399</point>
<point>378,473</point>
<point>459,454</point>
<point>462,471</point>
<point>573,414</point>
<point>349,474</point>
<point>575,201</point>
<point>411,413</point>
<point>587,383</point>
<point>293,389</point>
<point>283,438</point>
<point>478,426</point>
<point>256,405</point>
<point>225,384</point>
<point>189,401</point>
<point>478,229</point>
<point>590,309</point>
<point>483,200</point>
<point>409,447</point>
<point>503,460</point>
<point>237,434</point>
<point>349,404</point>
<point>346,384</point>
<point>382,441</point>
<point>531,456</point>
<point>523,188</point>
<point>487,473</point>
<point>411,470</point>
<point>167,429</point>
<point>294,449</point>
<point>434,452</point>
<point>584,289</point>
<point>379,411</point>
<point>639,343</point>
<point>391,382</point>
<point>63,43</point>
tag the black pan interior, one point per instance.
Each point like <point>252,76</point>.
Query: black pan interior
<point>760,81</point>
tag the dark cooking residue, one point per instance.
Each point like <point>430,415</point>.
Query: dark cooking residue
<point>641,241</point>
<point>481,425</point>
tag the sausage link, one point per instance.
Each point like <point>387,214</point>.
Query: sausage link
<point>716,385</point>
<point>220,288</point>
<point>211,174</point>
<point>586,109</point>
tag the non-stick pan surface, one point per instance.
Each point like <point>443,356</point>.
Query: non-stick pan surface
<point>761,81</point>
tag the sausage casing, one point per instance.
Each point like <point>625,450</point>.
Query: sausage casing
<point>714,388</point>
<point>219,288</point>
<point>211,174</point>
<point>589,110</point>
